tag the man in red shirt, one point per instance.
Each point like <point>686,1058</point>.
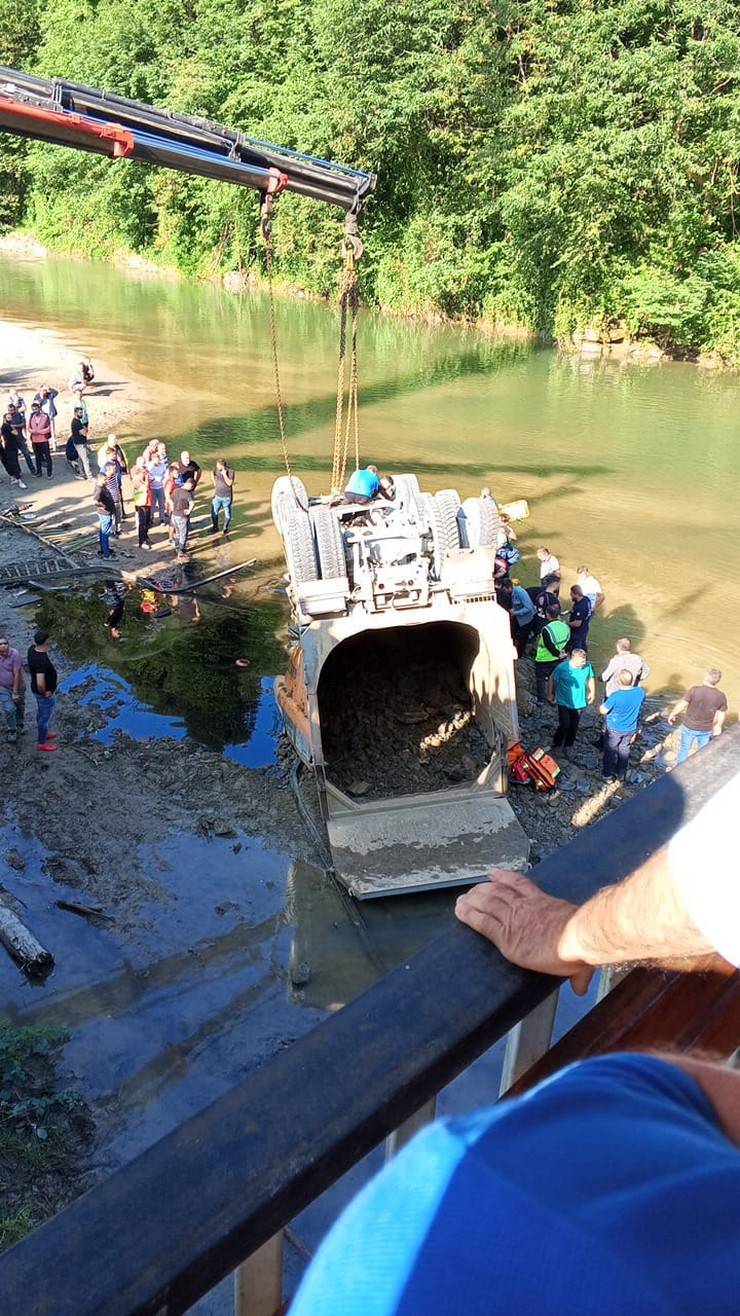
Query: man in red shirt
<point>40,430</point>
<point>704,709</point>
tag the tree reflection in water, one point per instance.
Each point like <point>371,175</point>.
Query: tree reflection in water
<point>183,664</point>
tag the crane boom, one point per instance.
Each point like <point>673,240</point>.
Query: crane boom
<point>71,114</point>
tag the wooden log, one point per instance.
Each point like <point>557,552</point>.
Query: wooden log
<point>22,944</point>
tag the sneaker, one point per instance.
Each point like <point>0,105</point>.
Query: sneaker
<point>21,485</point>
<point>52,735</point>
<point>213,530</point>
<point>46,748</point>
<point>146,544</point>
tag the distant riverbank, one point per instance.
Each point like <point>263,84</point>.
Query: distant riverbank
<point>592,343</point>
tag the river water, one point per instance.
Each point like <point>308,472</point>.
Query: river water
<point>630,469</point>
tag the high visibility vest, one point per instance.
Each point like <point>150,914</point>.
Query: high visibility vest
<point>559,633</point>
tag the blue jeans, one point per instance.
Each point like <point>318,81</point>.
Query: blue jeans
<point>44,710</point>
<point>616,753</point>
<point>105,527</point>
<point>689,738</point>
<point>220,505</point>
<point>23,448</point>
<point>158,495</point>
<point>14,710</point>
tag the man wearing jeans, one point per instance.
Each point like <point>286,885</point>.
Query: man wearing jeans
<point>44,684</point>
<point>223,494</point>
<point>106,509</point>
<point>182,506</point>
<point>12,690</point>
<point>704,709</point>
<point>622,713</point>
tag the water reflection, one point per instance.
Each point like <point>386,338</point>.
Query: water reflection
<point>170,677</point>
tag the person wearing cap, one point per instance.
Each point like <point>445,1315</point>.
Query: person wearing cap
<point>79,441</point>
<point>44,685</point>
<point>12,690</point>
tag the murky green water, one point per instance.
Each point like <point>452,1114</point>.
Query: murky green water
<point>633,470</point>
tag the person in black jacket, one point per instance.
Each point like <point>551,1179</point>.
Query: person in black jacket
<point>106,509</point>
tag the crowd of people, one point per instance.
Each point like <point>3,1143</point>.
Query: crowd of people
<point>161,488</point>
<point>155,485</point>
<point>558,639</point>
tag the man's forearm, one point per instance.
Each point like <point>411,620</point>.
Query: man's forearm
<point>642,918</point>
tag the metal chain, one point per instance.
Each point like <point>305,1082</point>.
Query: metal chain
<point>266,229</point>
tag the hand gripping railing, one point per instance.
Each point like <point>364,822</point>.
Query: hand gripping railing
<point>163,1230</point>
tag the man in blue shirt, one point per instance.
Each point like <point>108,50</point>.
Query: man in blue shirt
<point>613,1187</point>
<point>363,486</point>
<point>622,712</point>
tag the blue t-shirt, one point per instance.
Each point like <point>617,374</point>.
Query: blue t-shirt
<point>364,482</point>
<point>610,1188</point>
<point>571,684</point>
<point>623,709</point>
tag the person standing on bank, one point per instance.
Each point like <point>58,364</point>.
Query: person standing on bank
<point>522,612</point>
<point>143,501</point>
<point>223,494</point>
<point>12,690</point>
<point>17,419</point>
<point>623,661</point>
<point>182,505</point>
<point>579,619</point>
<point>591,587</point>
<point>622,713</point>
<point>44,685</point>
<point>571,686</point>
<point>105,507</point>
<point>79,441</point>
<point>9,452</point>
<point>549,569</point>
<point>704,709</point>
<point>45,399</point>
<point>551,646</point>
<point>157,464</point>
<point>39,428</point>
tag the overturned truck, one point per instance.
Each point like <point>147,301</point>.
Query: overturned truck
<point>399,693</point>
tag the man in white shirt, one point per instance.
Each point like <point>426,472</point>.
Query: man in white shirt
<point>591,587</point>
<point>549,569</point>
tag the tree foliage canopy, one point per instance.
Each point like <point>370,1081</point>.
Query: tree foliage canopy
<point>543,163</point>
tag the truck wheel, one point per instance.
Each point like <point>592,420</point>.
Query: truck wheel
<point>440,517</point>
<point>408,496</point>
<point>329,543</point>
<point>479,523</point>
<point>288,492</point>
<point>298,543</point>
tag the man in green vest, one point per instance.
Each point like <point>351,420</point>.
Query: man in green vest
<point>550,648</point>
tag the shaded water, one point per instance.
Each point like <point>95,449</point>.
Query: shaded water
<point>630,469</point>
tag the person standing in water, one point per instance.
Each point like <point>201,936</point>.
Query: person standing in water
<point>223,494</point>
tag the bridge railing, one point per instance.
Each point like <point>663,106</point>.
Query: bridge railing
<point>166,1228</point>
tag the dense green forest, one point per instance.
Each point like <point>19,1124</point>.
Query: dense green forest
<point>542,163</point>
